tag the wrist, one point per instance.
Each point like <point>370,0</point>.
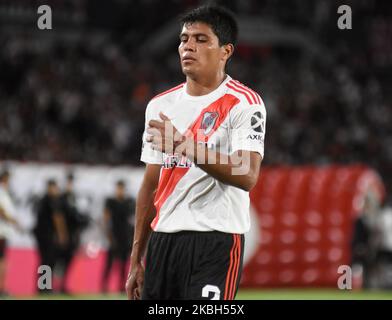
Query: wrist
<point>134,261</point>
<point>135,253</point>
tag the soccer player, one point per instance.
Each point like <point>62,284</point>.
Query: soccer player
<point>203,145</point>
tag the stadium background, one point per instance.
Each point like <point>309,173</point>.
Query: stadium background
<point>75,96</point>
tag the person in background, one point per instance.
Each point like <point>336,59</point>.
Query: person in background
<point>366,242</point>
<point>118,223</point>
<point>7,220</point>
<point>51,229</point>
<point>384,252</point>
<point>75,222</point>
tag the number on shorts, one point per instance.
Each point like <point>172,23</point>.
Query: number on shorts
<point>209,288</point>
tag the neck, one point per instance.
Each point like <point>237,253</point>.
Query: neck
<point>200,87</point>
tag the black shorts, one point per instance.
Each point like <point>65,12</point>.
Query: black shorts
<point>193,265</point>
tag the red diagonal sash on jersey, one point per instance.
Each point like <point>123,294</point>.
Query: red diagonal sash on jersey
<point>171,176</point>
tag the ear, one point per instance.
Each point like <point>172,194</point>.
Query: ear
<point>227,51</point>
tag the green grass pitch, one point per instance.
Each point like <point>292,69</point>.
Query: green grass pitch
<point>254,294</point>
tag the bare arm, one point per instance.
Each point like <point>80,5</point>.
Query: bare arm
<point>4,216</point>
<point>106,222</point>
<point>240,169</point>
<point>145,213</point>
<point>60,227</point>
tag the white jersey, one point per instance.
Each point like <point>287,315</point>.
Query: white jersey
<point>6,204</point>
<point>228,119</point>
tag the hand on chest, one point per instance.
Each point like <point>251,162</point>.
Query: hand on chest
<point>209,126</point>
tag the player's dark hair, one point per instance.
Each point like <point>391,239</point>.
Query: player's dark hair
<point>120,183</point>
<point>70,177</point>
<point>221,21</point>
<point>51,182</point>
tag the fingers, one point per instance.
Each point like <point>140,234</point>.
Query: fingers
<point>153,131</point>
<point>136,294</point>
<point>149,138</point>
<point>134,285</point>
<point>163,117</point>
<point>157,142</point>
<point>159,124</point>
<point>129,293</point>
<point>156,124</point>
<point>139,287</point>
<point>162,134</point>
<point>129,285</point>
<point>130,289</point>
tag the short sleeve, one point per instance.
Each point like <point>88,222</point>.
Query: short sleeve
<point>248,128</point>
<point>149,155</point>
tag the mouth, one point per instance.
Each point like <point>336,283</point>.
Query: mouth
<point>188,59</point>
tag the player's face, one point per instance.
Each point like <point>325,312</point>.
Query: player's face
<point>120,191</point>
<point>53,190</point>
<point>199,49</point>
<point>69,185</point>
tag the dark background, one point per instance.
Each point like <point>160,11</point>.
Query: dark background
<point>77,93</point>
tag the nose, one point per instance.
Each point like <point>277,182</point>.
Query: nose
<point>189,45</point>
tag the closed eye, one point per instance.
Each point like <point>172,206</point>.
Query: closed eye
<point>183,39</point>
<point>201,38</point>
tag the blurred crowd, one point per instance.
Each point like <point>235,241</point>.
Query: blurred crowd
<point>82,98</point>
<point>58,226</point>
